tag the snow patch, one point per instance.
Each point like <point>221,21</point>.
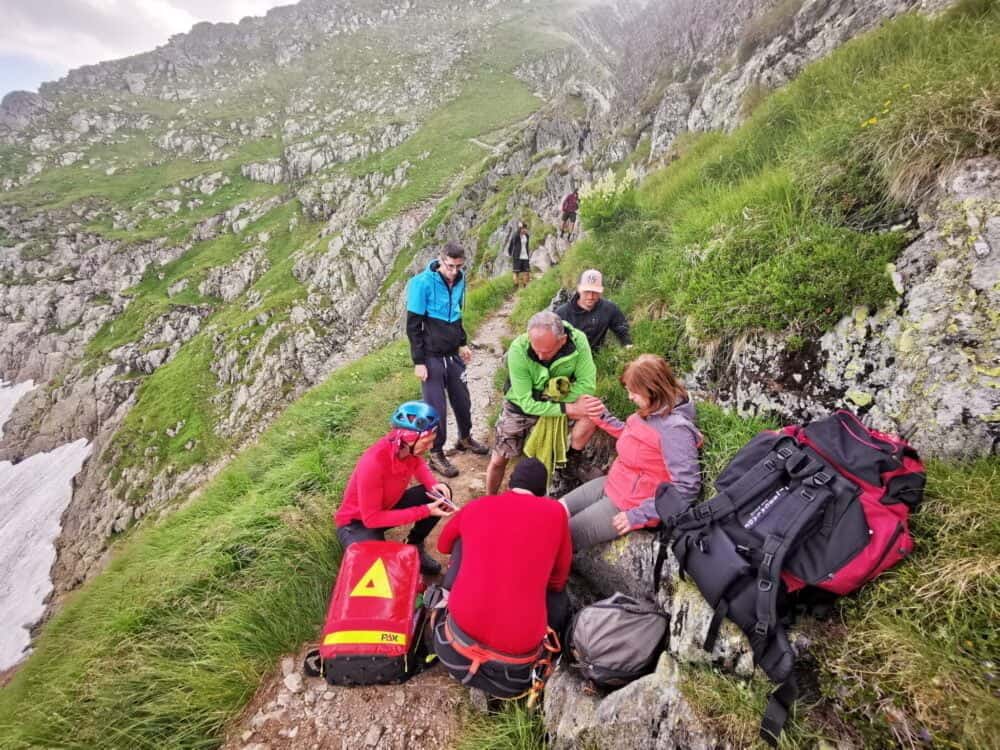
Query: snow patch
<point>33,495</point>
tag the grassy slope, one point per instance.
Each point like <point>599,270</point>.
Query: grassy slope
<point>168,643</point>
<point>182,390</point>
<point>771,227</point>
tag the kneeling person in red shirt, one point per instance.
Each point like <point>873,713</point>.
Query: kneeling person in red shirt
<point>511,557</point>
<point>377,498</point>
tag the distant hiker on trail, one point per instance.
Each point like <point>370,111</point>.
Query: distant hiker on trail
<point>570,205</point>
<point>434,302</point>
<point>520,255</point>
<point>549,368</point>
<point>377,498</point>
<point>659,443</point>
<point>589,312</point>
<point>510,559</point>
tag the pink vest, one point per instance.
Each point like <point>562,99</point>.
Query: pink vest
<point>639,468</point>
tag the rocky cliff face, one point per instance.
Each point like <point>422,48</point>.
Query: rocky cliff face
<point>265,266</point>
<point>924,364</point>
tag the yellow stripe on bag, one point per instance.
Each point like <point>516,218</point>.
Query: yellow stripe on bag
<point>364,636</point>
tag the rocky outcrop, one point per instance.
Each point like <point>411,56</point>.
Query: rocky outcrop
<point>714,66</point>
<point>343,199</point>
<point>64,285</point>
<point>234,220</point>
<point>203,146</point>
<point>652,711</point>
<point>161,340</point>
<point>229,282</point>
<point>19,109</point>
<point>928,361</point>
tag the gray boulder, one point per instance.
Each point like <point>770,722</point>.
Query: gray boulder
<point>650,712</point>
<point>626,565</point>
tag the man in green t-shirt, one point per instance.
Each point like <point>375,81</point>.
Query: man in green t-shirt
<point>550,348</point>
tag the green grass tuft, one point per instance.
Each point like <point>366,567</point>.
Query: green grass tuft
<point>514,728</point>
<point>920,649</point>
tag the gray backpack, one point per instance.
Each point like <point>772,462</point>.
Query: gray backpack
<point>617,639</point>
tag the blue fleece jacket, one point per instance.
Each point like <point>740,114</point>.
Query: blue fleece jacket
<point>434,314</point>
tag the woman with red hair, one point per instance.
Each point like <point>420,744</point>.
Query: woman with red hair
<point>659,443</point>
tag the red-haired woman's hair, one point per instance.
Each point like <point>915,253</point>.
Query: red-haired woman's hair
<point>652,376</point>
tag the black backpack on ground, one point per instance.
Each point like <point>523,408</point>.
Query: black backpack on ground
<point>617,640</point>
<point>825,505</point>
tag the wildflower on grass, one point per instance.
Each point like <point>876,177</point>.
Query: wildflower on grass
<point>870,121</point>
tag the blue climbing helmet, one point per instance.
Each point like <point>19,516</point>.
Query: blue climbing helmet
<point>415,416</point>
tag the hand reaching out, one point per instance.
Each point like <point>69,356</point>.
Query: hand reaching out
<point>592,407</point>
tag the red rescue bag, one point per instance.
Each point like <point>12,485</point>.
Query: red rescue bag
<point>374,626</point>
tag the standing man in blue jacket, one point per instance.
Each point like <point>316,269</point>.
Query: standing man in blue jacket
<point>434,302</point>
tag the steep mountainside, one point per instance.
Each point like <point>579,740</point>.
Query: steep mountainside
<point>195,238</point>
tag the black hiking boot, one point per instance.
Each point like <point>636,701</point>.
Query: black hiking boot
<point>471,444</point>
<point>440,463</point>
<point>428,565</point>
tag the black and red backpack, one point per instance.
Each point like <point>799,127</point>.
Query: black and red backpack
<point>825,505</point>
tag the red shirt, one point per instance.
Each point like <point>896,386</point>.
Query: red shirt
<point>515,548</point>
<point>379,480</point>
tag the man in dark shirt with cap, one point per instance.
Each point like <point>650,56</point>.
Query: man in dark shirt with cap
<point>589,312</point>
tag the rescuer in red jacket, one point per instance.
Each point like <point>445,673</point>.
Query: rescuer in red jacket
<point>511,557</point>
<point>376,497</point>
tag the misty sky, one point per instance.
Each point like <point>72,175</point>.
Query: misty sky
<point>40,40</point>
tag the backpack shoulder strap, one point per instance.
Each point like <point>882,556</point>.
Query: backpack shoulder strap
<point>802,504</point>
<point>779,705</point>
<point>786,458</point>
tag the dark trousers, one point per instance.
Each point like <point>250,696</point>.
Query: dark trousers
<point>446,377</point>
<point>356,531</point>
<point>496,678</point>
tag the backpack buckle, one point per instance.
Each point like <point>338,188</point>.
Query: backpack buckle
<point>764,585</point>
<point>770,465</point>
<point>821,477</point>
<point>785,451</point>
<point>703,510</point>
<point>808,495</point>
<point>760,629</point>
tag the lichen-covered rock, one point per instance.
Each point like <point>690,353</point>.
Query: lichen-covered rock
<point>928,361</point>
<point>626,565</point>
<point>650,712</point>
